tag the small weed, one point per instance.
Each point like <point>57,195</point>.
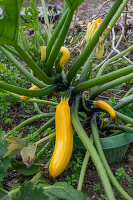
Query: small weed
<point>120,174</point>
<point>75,164</point>
<point>96,188</point>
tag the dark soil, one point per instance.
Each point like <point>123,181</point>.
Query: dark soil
<point>85,12</point>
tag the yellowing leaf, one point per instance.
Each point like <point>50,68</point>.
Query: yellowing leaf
<point>16,144</point>
<point>28,155</point>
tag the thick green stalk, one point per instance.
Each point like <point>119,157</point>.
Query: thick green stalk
<point>27,92</point>
<point>104,161</point>
<point>12,50</point>
<point>118,13</point>
<point>44,139</point>
<point>25,72</point>
<point>55,34</point>
<point>30,120</point>
<point>33,65</point>
<point>37,108</point>
<point>119,127</point>
<point>46,19</point>
<point>83,169</point>
<point>124,102</point>
<point>124,118</point>
<point>43,151</point>
<point>89,48</point>
<point>54,52</point>
<point>128,93</point>
<point>51,103</point>
<point>112,60</point>
<point>92,151</point>
<point>65,6</point>
<point>102,79</point>
<point>86,70</point>
<point>111,84</point>
<point>44,127</point>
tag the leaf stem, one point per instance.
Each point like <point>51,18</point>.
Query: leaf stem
<point>92,151</point>
<point>30,120</point>
<point>111,84</point>
<point>102,79</point>
<point>33,65</point>
<point>26,92</point>
<point>113,59</point>
<point>54,52</point>
<point>45,138</point>
<point>25,72</point>
<point>91,45</point>
<point>104,161</point>
<point>83,168</point>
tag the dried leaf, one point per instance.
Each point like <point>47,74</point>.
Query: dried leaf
<point>28,155</point>
<point>16,144</point>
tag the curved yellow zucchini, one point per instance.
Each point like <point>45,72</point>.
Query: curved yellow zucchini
<point>64,139</point>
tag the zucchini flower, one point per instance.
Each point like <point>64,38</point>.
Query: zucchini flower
<point>65,56</point>
<point>91,29</point>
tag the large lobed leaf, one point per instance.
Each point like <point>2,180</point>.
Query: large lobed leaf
<point>4,162</point>
<point>9,21</point>
<point>59,191</point>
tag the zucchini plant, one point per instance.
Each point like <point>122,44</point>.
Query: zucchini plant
<point>45,70</point>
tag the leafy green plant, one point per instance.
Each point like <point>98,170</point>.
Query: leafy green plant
<point>50,77</point>
<point>96,188</point>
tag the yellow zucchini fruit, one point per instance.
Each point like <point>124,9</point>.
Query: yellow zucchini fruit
<point>105,106</point>
<point>25,98</point>
<point>43,53</point>
<point>64,139</point>
<point>65,57</point>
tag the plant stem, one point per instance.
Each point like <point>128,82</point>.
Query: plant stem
<point>89,48</point>
<point>119,127</point>
<point>124,117</point>
<point>102,79</point>
<point>124,102</point>
<point>104,161</point>
<point>44,127</point>
<point>26,92</point>
<point>46,19</point>
<point>113,59</point>
<point>83,168</point>
<point>55,34</point>
<point>92,151</point>
<point>37,108</point>
<point>25,72</point>
<point>45,138</point>
<point>111,84</point>
<point>33,65</point>
<point>51,103</point>
<point>128,93</point>
<point>43,150</point>
<point>30,120</point>
<point>54,52</point>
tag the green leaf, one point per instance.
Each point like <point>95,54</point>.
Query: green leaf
<point>63,191</point>
<point>22,169</point>
<point>4,162</point>
<point>9,21</point>
<point>4,196</point>
<point>2,67</point>
<point>28,191</point>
